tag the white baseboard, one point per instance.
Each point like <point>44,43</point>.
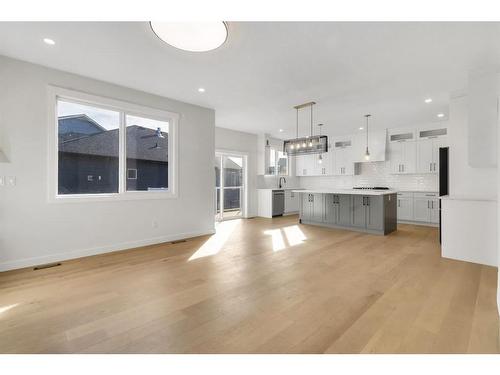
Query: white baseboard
<point>58,257</point>
<point>421,223</point>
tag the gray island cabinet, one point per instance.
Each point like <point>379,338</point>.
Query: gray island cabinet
<point>365,211</point>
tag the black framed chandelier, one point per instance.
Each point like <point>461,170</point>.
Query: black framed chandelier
<point>312,144</point>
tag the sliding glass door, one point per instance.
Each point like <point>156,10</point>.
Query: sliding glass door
<point>229,186</point>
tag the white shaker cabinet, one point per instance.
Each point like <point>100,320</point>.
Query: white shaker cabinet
<point>403,157</point>
<point>291,201</point>
<point>428,152</point>
<point>426,207</point>
<point>405,206</point>
<point>344,164</point>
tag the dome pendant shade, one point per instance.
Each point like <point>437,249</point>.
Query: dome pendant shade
<point>191,36</point>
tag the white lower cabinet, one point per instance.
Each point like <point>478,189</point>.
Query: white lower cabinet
<point>405,206</point>
<point>291,201</point>
<point>418,207</point>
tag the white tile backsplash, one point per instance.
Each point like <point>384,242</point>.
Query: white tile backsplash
<point>374,174</point>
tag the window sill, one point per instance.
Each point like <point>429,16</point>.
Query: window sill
<point>114,197</point>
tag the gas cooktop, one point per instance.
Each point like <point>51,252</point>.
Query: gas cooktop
<point>371,188</point>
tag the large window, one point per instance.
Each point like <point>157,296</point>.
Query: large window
<point>109,149</point>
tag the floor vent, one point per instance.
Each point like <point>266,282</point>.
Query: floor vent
<point>178,241</point>
<point>48,265</point>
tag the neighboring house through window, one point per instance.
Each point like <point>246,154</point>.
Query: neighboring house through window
<point>96,141</point>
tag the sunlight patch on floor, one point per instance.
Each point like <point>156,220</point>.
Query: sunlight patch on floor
<point>286,237</point>
<point>294,235</point>
<point>7,308</point>
<point>216,242</point>
<point>277,238</point>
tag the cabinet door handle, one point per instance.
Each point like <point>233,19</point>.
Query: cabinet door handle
<point>432,204</point>
<point>399,203</point>
<point>430,167</point>
<point>428,204</point>
<point>403,168</point>
<point>434,167</point>
<point>367,201</point>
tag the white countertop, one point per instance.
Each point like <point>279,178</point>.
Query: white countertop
<point>283,188</point>
<point>347,191</point>
<point>467,198</point>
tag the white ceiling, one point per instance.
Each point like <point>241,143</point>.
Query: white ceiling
<point>264,69</point>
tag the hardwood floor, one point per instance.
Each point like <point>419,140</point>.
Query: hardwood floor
<point>258,286</point>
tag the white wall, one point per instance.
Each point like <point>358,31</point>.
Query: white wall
<point>232,140</point>
<point>32,231</point>
<point>464,179</point>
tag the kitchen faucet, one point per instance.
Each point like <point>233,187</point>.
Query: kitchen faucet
<point>279,183</point>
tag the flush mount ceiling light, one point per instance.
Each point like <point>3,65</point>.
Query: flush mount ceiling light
<point>440,115</point>
<point>49,41</point>
<point>191,36</point>
<point>201,89</point>
<point>428,100</point>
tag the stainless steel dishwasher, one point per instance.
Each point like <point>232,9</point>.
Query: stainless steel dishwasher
<point>278,202</point>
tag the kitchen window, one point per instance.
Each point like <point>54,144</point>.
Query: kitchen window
<point>278,163</point>
<point>105,149</point>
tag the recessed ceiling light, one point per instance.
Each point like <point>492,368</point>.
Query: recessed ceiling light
<point>440,115</point>
<point>201,89</point>
<point>49,41</point>
<point>191,36</point>
<point>361,128</point>
<point>428,100</point>
<point>281,130</point>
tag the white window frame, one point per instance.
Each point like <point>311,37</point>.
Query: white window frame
<point>132,169</point>
<point>125,108</point>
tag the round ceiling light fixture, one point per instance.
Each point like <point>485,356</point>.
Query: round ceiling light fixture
<point>191,36</point>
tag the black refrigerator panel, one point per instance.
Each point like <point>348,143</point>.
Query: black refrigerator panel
<point>443,179</point>
<point>443,171</point>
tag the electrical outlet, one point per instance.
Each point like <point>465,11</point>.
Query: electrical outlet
<point>11,180</point>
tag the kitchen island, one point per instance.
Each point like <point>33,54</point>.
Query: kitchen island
<point>371,211</point>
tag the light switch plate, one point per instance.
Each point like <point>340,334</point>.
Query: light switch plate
<point>11,180</point>
<point>2,181</point>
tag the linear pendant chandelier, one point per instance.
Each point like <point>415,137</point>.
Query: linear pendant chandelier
<point>312,144</point>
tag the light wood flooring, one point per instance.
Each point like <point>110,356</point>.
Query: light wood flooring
<point>258,286</point>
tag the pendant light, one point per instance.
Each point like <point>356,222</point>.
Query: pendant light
<point>367,152</point>
<point>320,156</point>
<point>305,145</point>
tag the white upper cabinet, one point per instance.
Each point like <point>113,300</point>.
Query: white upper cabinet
<point>377,141</point>
<point>344,163</point>
<point>402,151</point>
<point>429,142</point>
<point>310,165</point>
<point>327,165</point>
